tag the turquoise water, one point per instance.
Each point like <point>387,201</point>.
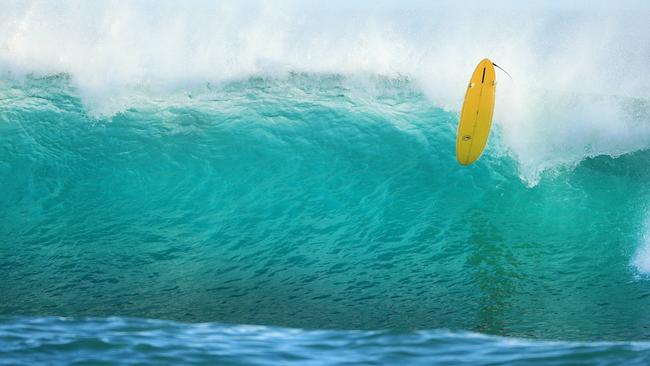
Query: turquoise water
<point>280,186</point>
<point>309,202</point>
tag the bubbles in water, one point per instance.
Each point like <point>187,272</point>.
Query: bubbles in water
<point>642,257</point>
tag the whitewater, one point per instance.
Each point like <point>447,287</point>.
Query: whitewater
<point>215,181</point>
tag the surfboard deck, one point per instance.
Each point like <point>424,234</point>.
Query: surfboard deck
<point>476,115</point>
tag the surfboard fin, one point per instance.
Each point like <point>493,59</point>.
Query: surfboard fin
<point>499,67</point>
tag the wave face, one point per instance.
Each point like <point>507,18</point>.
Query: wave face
<point>119,341</point>
<point>292,165</point>
<point>311,202</point>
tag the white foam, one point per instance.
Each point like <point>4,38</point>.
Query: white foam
<point>641,259</point>
<point>115,49</point>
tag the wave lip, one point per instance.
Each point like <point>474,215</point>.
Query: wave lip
<point>116,340</point>
<point>580,83</point>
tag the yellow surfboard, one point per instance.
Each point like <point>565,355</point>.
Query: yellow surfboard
<point>476,115</point>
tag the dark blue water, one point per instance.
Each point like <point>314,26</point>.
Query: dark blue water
<point>126,341</point>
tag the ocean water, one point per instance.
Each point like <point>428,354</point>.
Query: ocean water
<point>93,341</point>
<point>280,185</point>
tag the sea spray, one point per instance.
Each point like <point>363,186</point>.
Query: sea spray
<point>574,72</point>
